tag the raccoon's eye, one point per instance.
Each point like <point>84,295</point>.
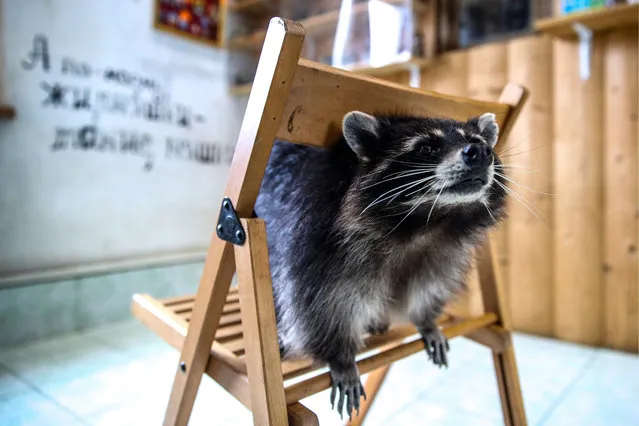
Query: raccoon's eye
<point>428,150</point>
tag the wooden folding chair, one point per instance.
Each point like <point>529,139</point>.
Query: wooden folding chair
<point>230,333</point>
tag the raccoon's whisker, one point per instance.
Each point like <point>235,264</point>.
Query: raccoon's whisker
<point>417,166</point>
<point>517,195</point>
<point>519,184</point>
<point>414,169</point>
<point>513,166</point>
<point>485,203</point>
<point>435,202</point>
<point>417,204</point>
<point>510,148</point>
<point>524,202</point>
<point>420,189</point>
<point>428,185</point>
<point>392,191</point>
<point>405,174</point>
<point>517,168</point>
<point>410,170</point>
<point>512,154</point>
<point>412,163</point>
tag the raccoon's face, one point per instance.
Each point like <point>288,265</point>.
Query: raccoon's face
<point>412,162</point>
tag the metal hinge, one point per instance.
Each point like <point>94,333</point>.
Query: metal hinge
<point>229,227</point>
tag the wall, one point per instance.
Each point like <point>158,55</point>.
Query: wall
<point>568,251</point>
<point>122,141</point>
<point>87,221</point>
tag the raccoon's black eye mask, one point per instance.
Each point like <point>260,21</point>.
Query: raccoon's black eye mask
<point>364,132</point>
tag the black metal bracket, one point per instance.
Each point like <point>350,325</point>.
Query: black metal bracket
<point>229,228</point>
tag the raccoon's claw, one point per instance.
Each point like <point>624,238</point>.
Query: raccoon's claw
<point>436,347</point>
<point>349,388</point>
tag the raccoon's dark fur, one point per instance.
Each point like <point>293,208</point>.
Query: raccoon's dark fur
<point>379,228</point>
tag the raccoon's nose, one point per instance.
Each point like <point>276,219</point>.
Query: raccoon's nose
<point>477,155</point>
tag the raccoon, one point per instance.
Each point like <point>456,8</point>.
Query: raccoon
<point>379,228</point>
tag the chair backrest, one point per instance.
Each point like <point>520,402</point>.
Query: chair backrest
<point>304,102</point>
<point>320,96</point>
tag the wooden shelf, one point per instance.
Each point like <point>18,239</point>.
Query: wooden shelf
<point>7,111</point>
<point>245,89</point>
<point>316,24</point>
<point>391,68</point>
<point>598,20</point>
<point>252,7</point>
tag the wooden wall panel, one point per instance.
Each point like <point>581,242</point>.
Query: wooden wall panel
<point>487,70</point>
<point>530,245</point>
<point>577,142</point>
<point>621,192</point>
<point>448,74</point>
<point>487,76</point>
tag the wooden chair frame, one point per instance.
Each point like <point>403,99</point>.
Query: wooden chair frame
<point>230,334</point>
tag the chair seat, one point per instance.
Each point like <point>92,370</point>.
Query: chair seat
<point>169,318</point>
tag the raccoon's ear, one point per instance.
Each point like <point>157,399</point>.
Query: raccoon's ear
<point>488,128</point>
<point>361,132</point>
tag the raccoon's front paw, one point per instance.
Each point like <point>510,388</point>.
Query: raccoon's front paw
<point>349,385</point>
<point>436,347</point>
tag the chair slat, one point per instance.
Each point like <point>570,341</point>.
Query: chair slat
<point>183,303</point>
<point>236,346</point>
<point>321,382</point>
<point>321,95</point>
<point>395,335</point>
<point>227,332</point>
<point>395,344</point>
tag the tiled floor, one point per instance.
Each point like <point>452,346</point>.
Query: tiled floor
<point>120,375</point>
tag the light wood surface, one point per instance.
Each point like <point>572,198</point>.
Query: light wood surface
<point>299,415</point>
<point>578,139</point>
<point>259,327</point>
<point>448,74</point>
<point>313,118</point>
<point>505,362</point>
<point>297,391</point>
<point>530,245</point>
<point>274,72</point>
<point>263,113</point>
<point>161,318</point>
<point>512,403</point>
<point>621,201</point>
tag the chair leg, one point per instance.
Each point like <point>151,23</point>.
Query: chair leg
<point>209,302</point>
<point>263,364</point>
<point>512,403</point>
<point>373,384</point>
<point>299,415</point>
<point>505,363</point>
